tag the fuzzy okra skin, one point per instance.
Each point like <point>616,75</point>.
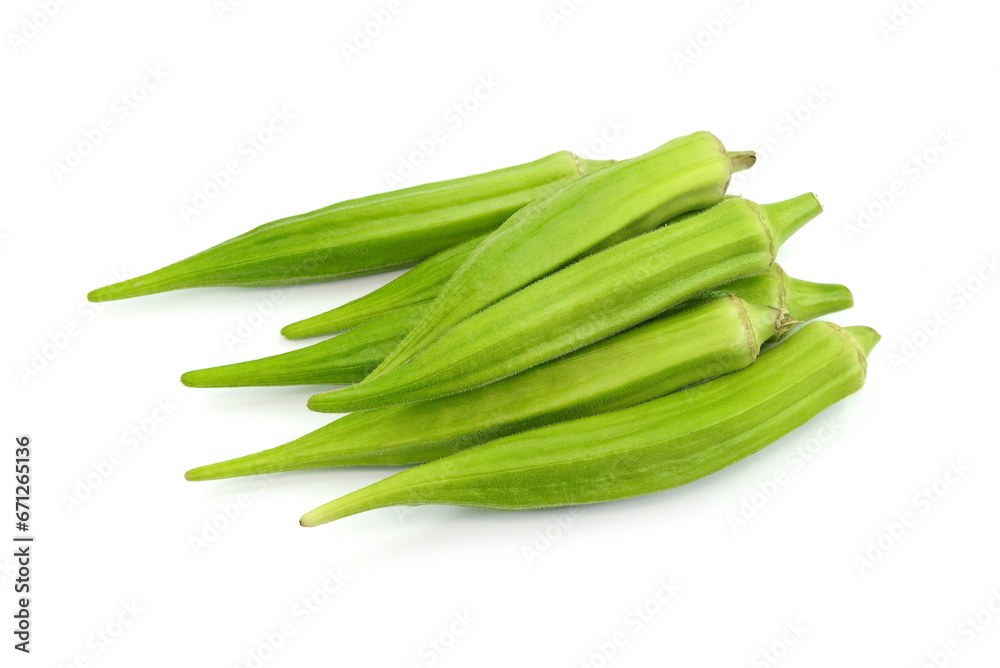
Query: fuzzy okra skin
<point>365,235</point>
<point>621,201</point>
<point>805,299</point>
<point>420,284</point>
<point>648,448</point>
<point>709,339</point>
<point>594,298</point>
<point>350,357</point>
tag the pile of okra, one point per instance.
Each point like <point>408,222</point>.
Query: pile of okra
<point>569,331</point>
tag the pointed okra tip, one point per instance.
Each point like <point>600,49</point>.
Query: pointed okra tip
<point>296,330</point>
<point>321,402</point>
<point>161,280</point>
<point>328,512</point>
<point>112,292</point>
<point>195,378</point>
<point>784,218</point>
<point>866,337</point>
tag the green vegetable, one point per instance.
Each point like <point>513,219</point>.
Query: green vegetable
<point>594,298</point>
<point>621,201</point>
<point>424,282</point>
<point>418,285</point>
<point>647,448</point>
<point>346,358</point>
<point>805,300</point>
<point>350,357</point>
<point>366,235</point>
<point>658,357</point>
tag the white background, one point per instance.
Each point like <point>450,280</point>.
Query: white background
<point>877,100</point>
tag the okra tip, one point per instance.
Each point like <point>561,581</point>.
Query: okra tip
<point>255,464</point>
<point>317,325</point>
<point>321,402</point>
<point>121,290</point>
<point>784,218</point>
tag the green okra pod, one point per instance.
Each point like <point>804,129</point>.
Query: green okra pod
<point>345,358</point>
<point>658,357</point>
<point>648,448</point>
<point>621,201</point>
<point>596,297</point>
<point>351,356</point>
<point>365,235</point>
<point>420,284</point>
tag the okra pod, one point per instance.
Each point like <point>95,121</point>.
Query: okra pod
<point>710,339</point>
<point>345,358</point>
<point>618,202</point>
<point>365,235</point>
<point>351,356</point>
<point>420,284</point>
<point>651,447</point>
<point>596,297</point>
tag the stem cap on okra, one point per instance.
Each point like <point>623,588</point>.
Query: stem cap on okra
<point>786,217</point>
